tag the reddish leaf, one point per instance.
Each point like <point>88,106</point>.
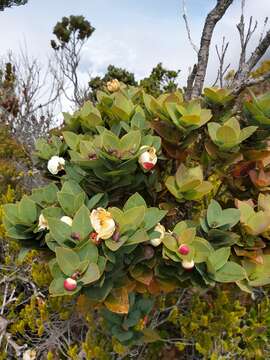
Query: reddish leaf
<point>260,178</point>
<point>242,168</point>
<point>167,131</point>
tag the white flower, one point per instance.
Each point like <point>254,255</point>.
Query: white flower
<point>113,85</point>
<point>188,264</point>
<point>29,355</point>
<point>148,158</point>
<point>55,164</point>
<point>67,220</point>
<point>157,241</point>
<point>42,223</point>
<point>102,223</point>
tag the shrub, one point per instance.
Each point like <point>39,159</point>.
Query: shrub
<point>130,162</point>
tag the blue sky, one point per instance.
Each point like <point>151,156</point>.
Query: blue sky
<point>132,34</point>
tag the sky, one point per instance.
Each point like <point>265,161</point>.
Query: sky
<point>134,34</point>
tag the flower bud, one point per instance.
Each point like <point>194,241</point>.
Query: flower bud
<point>42,223</point>
<point>188,264</point>
<point>75,236</point>
<point>113,85</point>
<point>157,241</point>
<point>55,164</point>
<point>67,220</point>
<point>70,284</point>
<point>149,252</point>
<point>94,238</point>
<point>148,158</point>
<point>184,249</point>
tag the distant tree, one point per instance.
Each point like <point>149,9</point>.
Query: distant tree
<point>113,72</point>
<point>160,80</point>
<point>9,3</point>
<point>71,35</point>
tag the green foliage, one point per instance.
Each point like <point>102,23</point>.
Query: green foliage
<point>229,135</point>
<point>99,83</point>
<point>218,326</point>
<point>126,329</point>
<point>160,80</point>
<point>257,110</point>
<point>188,183</point>
<point>128,162</point>
<point>70,27</point>
<point>216,96</point>
<point>9,3</point>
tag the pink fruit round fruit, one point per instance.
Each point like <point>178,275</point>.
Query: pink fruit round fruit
<point>70,284</point>
<point>183,249</point>
<point>148,165</point>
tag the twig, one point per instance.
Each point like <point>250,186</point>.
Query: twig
<point>184,14</point>
<point>221,57</point>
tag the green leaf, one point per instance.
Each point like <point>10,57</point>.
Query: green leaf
<point>230,272</point>
<point>11,212</point>
<point>67,260</point>
<point>81,223</point>
<point>59,230</point>
<point>92,274</point>
<point>87,251</point>
<point>132,218</point>
<point>90,116</point>
<point>170,243</point>
<point>152,217</point>
<point>139,237</point>
<point>70,203</point>
<point>115,245</point>
<point>202,249</point>
<point>130,143</point>
<point>226,135</point>
<point>134,200</point>
<point>94,200</point>
<point>27,210</point>
<point>218,259</point>
<point>214,211</point>
<point>71,139</point>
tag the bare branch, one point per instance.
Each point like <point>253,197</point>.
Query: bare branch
<point>264,28</point>
<point>211,20</point>
<point>194,46</point>
<point>259,51</point>
<point>221,57</point>
<point>244,38</point>
<point>250,82</point>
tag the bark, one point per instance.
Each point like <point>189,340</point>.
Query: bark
<point>211,20</point>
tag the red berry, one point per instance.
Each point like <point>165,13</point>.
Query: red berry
<point>70,284</point>
<point>183,249</point>
<point>148,165</point>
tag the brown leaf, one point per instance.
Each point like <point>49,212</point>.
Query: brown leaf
<point>174,151</point>
<point>117,301</point>
<point>255,255</point>
<point>167,131</point>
